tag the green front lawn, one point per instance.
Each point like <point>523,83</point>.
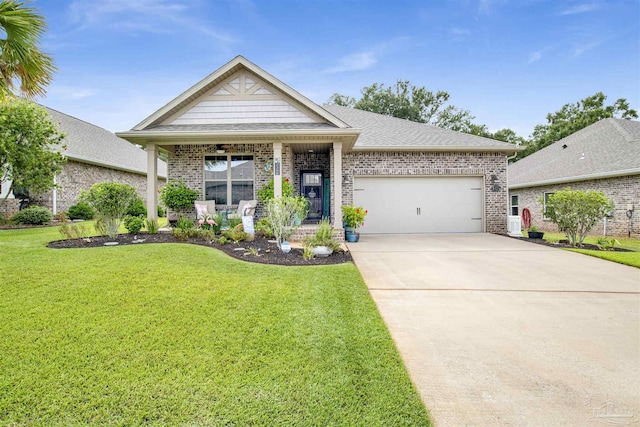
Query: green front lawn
<point>627,258</point>
<point>173,334</point>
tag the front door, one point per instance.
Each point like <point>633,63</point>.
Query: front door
<point>311,188</point>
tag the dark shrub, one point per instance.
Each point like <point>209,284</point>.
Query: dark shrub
<point>36,215</point>
<point>133,224</point>
<point>137,207</point>
<point>81,211</point>
<point>160,212</point>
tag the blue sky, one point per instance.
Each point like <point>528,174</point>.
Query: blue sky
<point>508,62</point>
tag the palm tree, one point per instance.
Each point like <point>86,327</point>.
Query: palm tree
<point>20,57</point>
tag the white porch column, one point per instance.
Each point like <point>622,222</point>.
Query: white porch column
<point>277,169</point>
<point>152,182</point>
<point>337,184</point>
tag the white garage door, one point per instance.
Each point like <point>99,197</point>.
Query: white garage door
<point>421,204</point>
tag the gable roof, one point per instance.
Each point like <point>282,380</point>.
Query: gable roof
<point>607,148</point>
<point>380,132</point>
<point>92,144</point>
<point>217,77</point>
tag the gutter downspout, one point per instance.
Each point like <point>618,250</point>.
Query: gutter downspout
<point>54,201</point>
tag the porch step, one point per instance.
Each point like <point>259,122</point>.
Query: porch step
<point>310,229</point>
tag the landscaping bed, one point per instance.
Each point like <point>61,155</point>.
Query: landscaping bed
<point>260,250</point>
<point>564,244</point>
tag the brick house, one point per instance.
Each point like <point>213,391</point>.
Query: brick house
<point>604,156</point>
<point>240,127</point>
<point>93,155</point>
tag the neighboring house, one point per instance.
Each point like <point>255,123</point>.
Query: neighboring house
<point>603,157</point>
<point>411,177</point>
<point>93,155</point>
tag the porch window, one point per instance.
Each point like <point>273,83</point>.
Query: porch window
<point>228,178</point>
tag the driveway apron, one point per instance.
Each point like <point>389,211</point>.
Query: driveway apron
<point>500,332</point>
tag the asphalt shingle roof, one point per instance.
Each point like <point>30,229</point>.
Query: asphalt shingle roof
<point>606,147</point>
<point>92,144</point>
<point>389,133</point>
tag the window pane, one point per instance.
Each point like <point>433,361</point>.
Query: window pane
<point>241,167</point>
<point>216,190</point>
<point>241,190</point>
<point>514,210</point>
<point>514,200</point>
<point>215,167</point>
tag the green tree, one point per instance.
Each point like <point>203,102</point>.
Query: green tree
<point>20,57</point>
<point>576,212</point>
<point>111,201</point>
<point>573,117</point>
<point>30,146</point>
<point>406,101</point>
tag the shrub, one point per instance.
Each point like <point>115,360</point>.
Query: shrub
<point>81,210</point>
<point>160,212</point>
<point>223,240</point>
<point>607,244</point>
<point>152,226</point>
<point>576,212</point>
<point>283,213</point>
<point>266,193</point>
<point>133,224</point>
<point>73,231</point>
<point>137,207</point>
<point>264,225</point>
<point>185,223</point>
<point>111,201</point>
<point>100,226</point>
<point>207,235</point>
<point>176,195</point>
<point>307,253</point>
<point>35,215</point>
<point>236,234</point>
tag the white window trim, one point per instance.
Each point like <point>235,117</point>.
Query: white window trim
<point>544,204</point>
<point>517,205</point>
<point>228,180</point>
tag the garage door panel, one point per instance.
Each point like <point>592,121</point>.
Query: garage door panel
<point>420,204</point>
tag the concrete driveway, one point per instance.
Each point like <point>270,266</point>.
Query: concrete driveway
<point>496,331</point>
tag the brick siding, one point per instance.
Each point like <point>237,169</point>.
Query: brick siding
<point>623,191</point>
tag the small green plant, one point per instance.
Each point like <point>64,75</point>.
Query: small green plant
<point>73,231</point>
<point>324,236</point>
<point>307,252</point>
<point>81,210</point>
<point>160,212</point>
<point>607,244</point>
<point>34,215</point>
<point>533,229</point>
<point>180,234</point>
<point>207,235</point>
<point>236,234</point>
<point>266,193</point>
<point>137,207</point>
<point>176,195</point>
<point>353,216</point>
<point>552,240</point>
<point>234,222</point>
<point>253,251</point>
<point>133,224</point>
<point>223,240</point>
<point>185,223</point>
<point>264,226</point>
<point>152,226</point>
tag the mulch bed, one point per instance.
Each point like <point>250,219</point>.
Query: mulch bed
<point>565,245</point>
<point>268,252</point>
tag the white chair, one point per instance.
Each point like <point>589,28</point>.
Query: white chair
<point>245,207</point>
<point>205,205</point>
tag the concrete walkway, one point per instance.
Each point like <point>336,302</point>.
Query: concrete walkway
<point>500,332</point>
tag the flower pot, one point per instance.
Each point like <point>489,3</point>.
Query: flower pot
<point>352,237</point>
<point>285,247</point>
<point>535,234</point>
<point>322,251</point>
<point>348,229</point>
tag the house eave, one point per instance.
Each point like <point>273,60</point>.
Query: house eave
<point>441,148</point>
<point>348,136</point>
<point>109,165</point>
<point>568,180</point>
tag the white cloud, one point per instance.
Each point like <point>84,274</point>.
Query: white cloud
<point>581,8</point>
<point>354,62</point>
<point>149,16</point>
<point>534,56</point>
<point>579,50</point>
<point>458,33</point>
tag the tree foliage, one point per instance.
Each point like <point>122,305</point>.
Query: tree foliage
<point>576,212</point>
<point>20,57</point>
<point>573,117</point>
<point>176,195</point>
<point>30,146</point>
<point>111,201</point>
<point>284,214</point>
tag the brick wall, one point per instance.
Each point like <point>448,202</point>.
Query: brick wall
<point>492,166</point>
<point>623,191</point>
<point>77,176</point>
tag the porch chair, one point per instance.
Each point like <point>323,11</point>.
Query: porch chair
<point>204,207</point>
<point>245,207</point>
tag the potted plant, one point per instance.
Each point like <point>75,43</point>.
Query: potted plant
<point>352,218</point>
<point>323,242</point>
<point>533,233</point>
